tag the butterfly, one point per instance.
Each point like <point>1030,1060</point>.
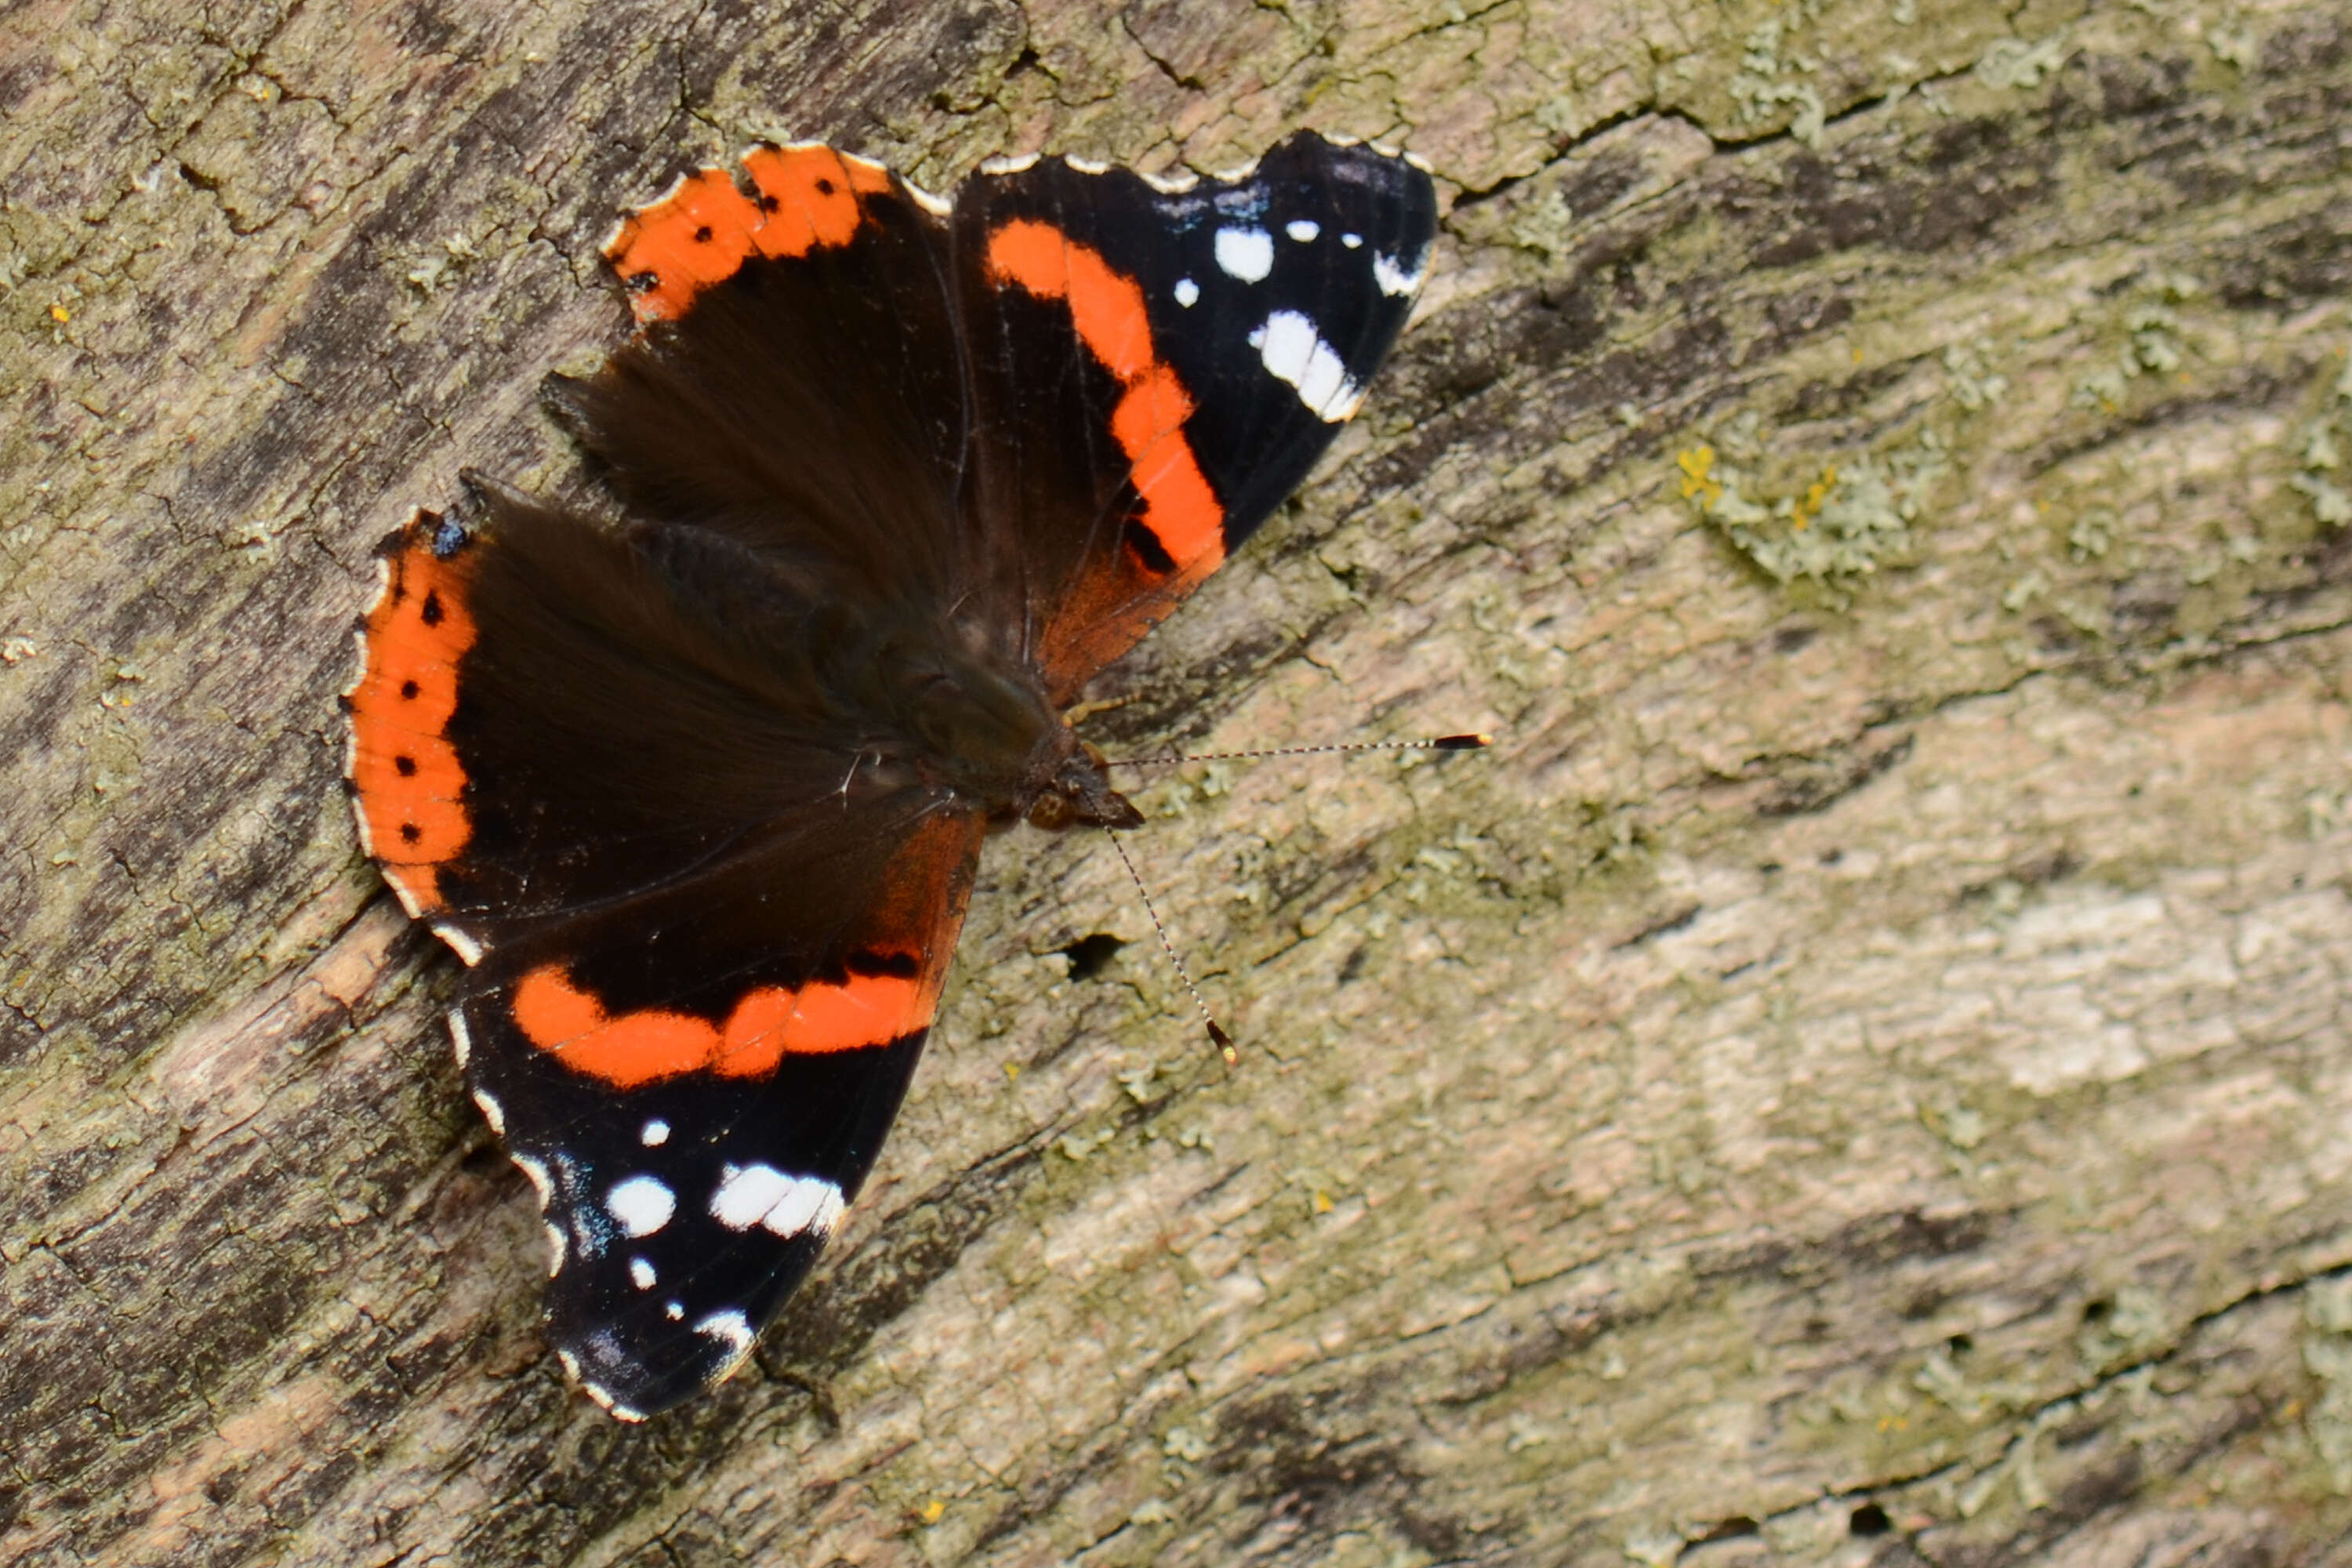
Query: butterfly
<point>694,779</point>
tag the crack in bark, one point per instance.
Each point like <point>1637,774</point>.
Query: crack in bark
<point>2038,1417</point>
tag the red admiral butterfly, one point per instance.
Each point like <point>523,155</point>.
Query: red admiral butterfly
<point>698,796</point>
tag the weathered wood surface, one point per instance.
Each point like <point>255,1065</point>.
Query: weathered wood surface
<point>1860,1074</point>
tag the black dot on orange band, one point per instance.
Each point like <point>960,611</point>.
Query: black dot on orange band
<point>824,187</point>
<point>406,766</point>
<point>410,833</point>
<point>1148,548</point>
<point>769,204</point>
<point>431,612</point>
<point>702,235</point>
<point>408,688</point>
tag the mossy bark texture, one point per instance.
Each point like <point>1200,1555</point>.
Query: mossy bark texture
<point>1858,1074</point>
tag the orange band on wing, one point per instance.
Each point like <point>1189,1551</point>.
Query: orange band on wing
<point>706,229</point>
<point>408,777</point>
<point>768,1024</point>
<point>1107,307</point>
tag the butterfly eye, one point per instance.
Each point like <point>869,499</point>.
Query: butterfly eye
<point>1053,812</point>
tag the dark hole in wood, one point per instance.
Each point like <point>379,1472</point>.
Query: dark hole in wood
<point>1090,955</point>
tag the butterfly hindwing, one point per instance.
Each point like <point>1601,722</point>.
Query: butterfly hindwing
<point>694,1135</point>
<point>705,945</point>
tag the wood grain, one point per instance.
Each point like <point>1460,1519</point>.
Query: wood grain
<point>1858,1075</point>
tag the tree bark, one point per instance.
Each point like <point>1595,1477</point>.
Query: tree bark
<point>1858,1074</point>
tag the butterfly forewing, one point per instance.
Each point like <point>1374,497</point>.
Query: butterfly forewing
<point>1197,349</point>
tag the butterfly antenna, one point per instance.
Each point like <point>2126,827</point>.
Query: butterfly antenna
<point>1473,742</point>
<point>1217,1037</point>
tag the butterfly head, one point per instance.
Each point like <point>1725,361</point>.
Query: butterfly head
<point>1072,786</point>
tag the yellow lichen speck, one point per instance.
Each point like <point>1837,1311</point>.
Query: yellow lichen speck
<point>1696,464</point>
<point>1818,492</point>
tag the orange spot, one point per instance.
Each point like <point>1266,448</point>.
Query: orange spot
<point>632,1049</point>
<point>697,235</point>
<point>1154,409</point>
<point>809,197</point>
<point>1107,307</point>
<point>703,232</point>
<point>410,782</point>
<point>867,1009</point>
<point>1180,507</point>
<point>769,1023</point>
<point>866,177</point>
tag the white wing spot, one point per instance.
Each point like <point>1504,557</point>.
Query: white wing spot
<point>492,1111</point>
<point>1302,229</point>
<point>765,1196</point>
<point>1294,353</point>
<point>402,891</point>
<point>642,1203</point>
<point>462,1035</point>
<point>641,1273</point>
<point>556,1246</point>
<point>730,1327</point>
<point>1187,293</point>
<point>1393,277</point>
<point>672,1310</point>
<point>376,599</point>
<point>654,1133</point>
<point>602,1396</point>
<point>1352,241</point>
<point>538,1175</point>
<point>1244,253</point>
<point>463,946</point>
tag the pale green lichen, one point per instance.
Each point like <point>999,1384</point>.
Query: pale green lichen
<point>2322,453</point>
<point>1969,377</point>
<point>2328,1355</point>
<point>2232,41</point>
<point>1844,524</point>
<point>1765,85</point>
<point>455,253</point>
<point>1653,1546</point>
<point>2093,535</point>
<point>2155,344</point>
<point>1546,226</point>
<point>2014,63</point>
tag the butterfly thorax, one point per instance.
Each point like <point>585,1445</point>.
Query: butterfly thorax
<point>990,735</point>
